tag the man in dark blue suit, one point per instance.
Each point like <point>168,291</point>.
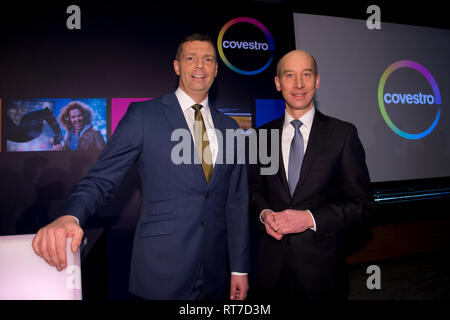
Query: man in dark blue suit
<point>193,228</point>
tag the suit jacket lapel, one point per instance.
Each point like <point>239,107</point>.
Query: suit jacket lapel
<point>173,112</point>
<point>282,170</point>
<point>176,118</point>
<point>317,139</point>
<point>221,156</point>
<point>281,173</point>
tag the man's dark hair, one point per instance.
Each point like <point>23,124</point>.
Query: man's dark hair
<point>194,37</point>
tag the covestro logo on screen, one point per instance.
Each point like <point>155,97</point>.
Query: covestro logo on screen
<point>413,97</point>
<point>245,45</point>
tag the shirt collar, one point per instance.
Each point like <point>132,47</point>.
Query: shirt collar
<point>186,101</point>
<point>306,119</point>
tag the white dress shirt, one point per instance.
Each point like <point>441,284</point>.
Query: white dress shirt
<point>287,135</point>
<point>186,103</point>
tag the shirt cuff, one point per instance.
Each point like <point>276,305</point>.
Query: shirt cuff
<point>238,274</point>
<point>314,221</point>
<point>78,221</point>
<point>260,215</point>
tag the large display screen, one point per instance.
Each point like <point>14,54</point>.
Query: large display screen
<point>392,83</point>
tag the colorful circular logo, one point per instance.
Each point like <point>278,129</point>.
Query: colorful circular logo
<point>244,45</point>
<point>396,98</point>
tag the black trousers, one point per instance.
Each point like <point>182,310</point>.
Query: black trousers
<point>288,286</point>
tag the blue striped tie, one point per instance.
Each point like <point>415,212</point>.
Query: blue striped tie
<point>295,156</point>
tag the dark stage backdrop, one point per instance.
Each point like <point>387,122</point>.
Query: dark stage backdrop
<point>125,49</point>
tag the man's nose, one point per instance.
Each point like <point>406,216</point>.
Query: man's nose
<point>298,83</point>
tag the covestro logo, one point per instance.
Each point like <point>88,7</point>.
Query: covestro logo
<point>413,97</point>
<point>255,45</point>
<point>246,46</point>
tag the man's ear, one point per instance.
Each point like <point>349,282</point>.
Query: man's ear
<point>176,67</point>
<point>317,81</point>
<point>277,83</point>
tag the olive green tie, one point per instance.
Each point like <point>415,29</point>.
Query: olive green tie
<point>202,145</point>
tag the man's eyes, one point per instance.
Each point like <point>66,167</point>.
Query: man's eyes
<point>291,75</point>
<point>207,59</point>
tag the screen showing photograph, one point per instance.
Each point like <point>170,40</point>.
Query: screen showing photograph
<point>55,124</point>
<point>244,120</point>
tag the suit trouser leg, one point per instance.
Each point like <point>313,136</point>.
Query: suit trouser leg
<point>198,291</point>
<point>288,286</point>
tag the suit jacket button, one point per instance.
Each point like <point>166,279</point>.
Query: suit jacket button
<point>202,223</point>
<point>207,195</point>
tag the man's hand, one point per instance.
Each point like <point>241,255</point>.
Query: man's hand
<point>292,221</point>
<point>239,287</point>
<point>50,241</point>
<point>268,216</point>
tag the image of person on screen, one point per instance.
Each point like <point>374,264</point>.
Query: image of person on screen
<point>76,118</point>
<point>191,240</point>
<point>322,188</point>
